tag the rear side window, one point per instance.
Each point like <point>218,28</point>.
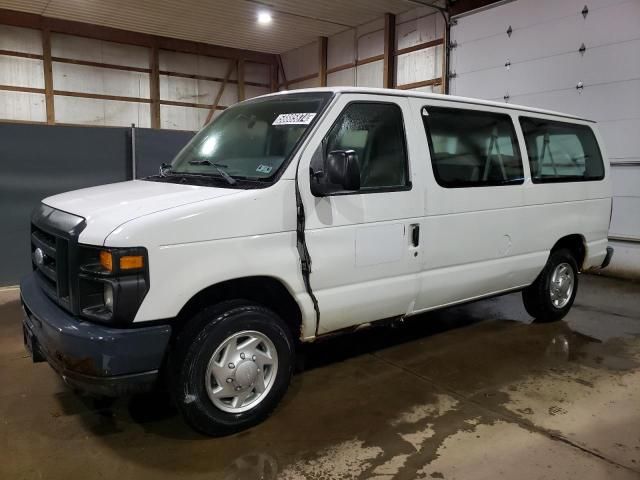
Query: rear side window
<point>471,148</point>
<point>375,131</point>
<point>561,152</point>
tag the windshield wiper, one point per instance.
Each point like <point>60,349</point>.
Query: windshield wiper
<point>165,168</point>
<point>219,168</point>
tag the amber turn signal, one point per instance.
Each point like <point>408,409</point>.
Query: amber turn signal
<point>106,260</point>
<point>131,262</point>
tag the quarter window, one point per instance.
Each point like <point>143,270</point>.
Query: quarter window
<point>375,131</point>
<point>561,152</point>
<point>471,148</point>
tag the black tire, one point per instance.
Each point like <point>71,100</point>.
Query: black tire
<point>195,346</point>
<point>537,296</point>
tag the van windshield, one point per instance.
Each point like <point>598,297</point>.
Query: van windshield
<point>251,140</point>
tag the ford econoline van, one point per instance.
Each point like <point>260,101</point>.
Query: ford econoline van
<point>303,213</point>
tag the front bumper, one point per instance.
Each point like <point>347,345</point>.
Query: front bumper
<point>90,357</point>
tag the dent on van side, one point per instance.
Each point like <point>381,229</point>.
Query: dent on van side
<point>300,214</point>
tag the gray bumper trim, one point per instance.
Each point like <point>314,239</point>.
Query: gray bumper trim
<point>89,356</point>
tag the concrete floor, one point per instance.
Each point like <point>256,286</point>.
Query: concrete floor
<point>468,392</point>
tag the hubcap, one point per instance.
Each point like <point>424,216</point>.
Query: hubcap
<point>561,285</point>
<point>241,371</point>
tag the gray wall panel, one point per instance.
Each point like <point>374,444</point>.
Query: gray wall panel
<point>155,147</point>
<point>37,161</point>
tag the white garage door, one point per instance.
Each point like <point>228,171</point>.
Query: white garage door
<point>574,56</point>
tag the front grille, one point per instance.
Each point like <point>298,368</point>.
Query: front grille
<point>51,264</point>
<point>54,237</point>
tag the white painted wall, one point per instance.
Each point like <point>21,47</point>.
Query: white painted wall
<point>413,27</point>
<point>21,72</point>
<point>540,65</point>
<point>28,72</point>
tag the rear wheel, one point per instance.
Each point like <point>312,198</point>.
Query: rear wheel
<point>551,296</point>
<point>232,365</point>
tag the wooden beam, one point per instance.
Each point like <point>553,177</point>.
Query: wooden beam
<point>388,69</point>
<point>339,68</point>
<point>48,76</point>
<point>99,64</point>
<point>99,96</point>
<point>30,20</point>
<point>192,105</point>
<point>220,91</point>
<point>322,60</point>
<point>212,79</point>
<point>241,95</point>
<point>12,53</point>
<point>423,83</point>
<point>420,46</point>
<point>445,55</point>
<point>281,67</point>
<point>273,77</point>
<point>154,86</point>
<point>364,61</point>
<point>13,88</point>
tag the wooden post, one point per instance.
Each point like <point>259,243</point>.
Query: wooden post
<point>445,52</point>
<point>322,60</point>
<point>48,75</point>
<point>221,91</point>
<point>273,77</point>
<point>284,76</point>
<point>388,80</point>
<point>241,95</point>
<point>154,86</point>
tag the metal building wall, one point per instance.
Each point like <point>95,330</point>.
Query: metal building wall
<point>354,56</point>
<point>37,161</point>
<point>97,82</point>
<point>531,52</point>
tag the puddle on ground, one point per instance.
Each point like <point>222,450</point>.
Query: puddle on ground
<point>381,403</point>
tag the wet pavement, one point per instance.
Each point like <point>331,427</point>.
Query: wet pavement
<point>474,391</point>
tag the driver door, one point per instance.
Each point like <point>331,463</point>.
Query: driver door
<point>365,245</point>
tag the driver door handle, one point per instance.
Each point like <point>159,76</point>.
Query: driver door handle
<point>415,234</point>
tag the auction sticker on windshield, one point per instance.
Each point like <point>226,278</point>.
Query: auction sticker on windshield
<point>294,119</point>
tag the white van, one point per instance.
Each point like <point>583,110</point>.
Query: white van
<point>302,213</point>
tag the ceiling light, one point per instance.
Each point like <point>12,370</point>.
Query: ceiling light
<point>264,18</point>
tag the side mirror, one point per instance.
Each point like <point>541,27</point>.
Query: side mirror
<point>341,173</point>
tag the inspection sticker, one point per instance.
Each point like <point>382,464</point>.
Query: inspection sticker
<point>264,169</point>
<point>294,119</point>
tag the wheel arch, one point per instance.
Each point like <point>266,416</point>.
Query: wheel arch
<point>576,244</point>
<point>267,291</point>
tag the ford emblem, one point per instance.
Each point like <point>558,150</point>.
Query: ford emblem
<point>38,257</point>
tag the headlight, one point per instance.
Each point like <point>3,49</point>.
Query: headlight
<point>108,297</point>
<point>113,282</point>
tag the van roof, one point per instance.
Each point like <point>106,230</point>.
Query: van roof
<point>431,96</point>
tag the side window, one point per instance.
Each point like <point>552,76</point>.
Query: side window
<point>561,152</point>
<point>471,148</point>
<point>375,131</point>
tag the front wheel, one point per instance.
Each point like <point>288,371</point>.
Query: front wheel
<point>550,297</point>
<point>232,365</point>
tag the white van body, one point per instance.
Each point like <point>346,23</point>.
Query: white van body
<point>365,264</point>
<point>476,242</point>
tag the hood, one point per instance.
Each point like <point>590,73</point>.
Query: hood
<point>107,207</point>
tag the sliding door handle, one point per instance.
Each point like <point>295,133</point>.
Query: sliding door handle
<point>415,234</point>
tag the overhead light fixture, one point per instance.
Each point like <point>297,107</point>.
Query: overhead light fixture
<point>264,18</point>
